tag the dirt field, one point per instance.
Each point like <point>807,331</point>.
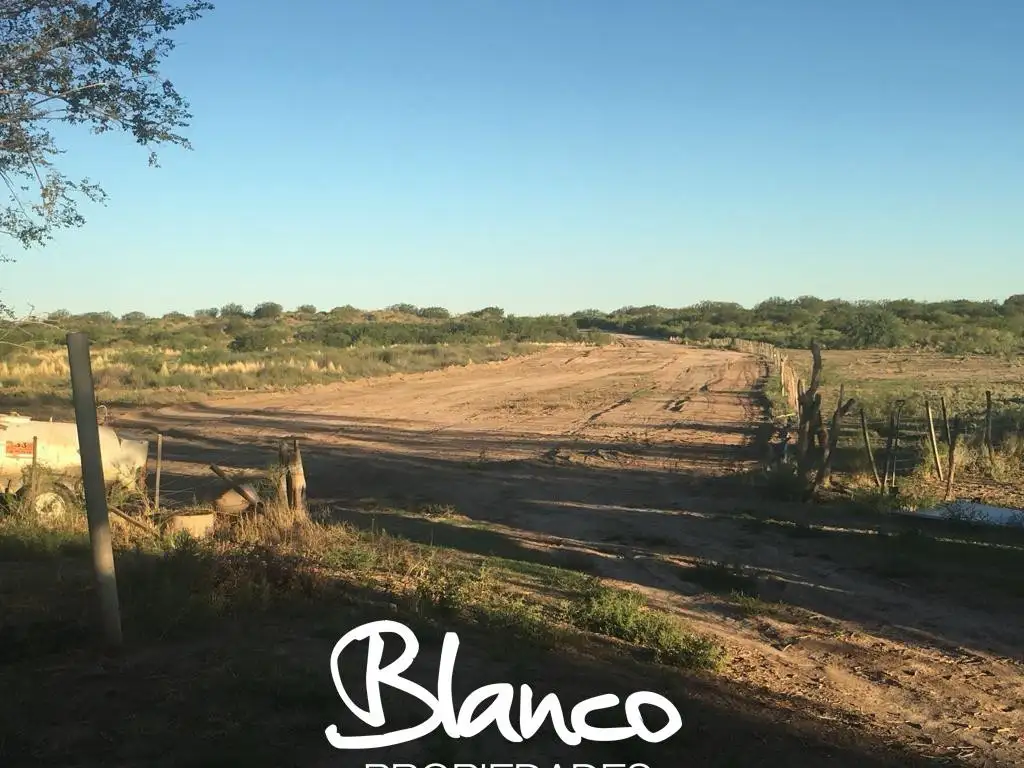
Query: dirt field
<point>632,461</point>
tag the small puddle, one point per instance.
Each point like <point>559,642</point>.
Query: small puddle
<point>966,510</point>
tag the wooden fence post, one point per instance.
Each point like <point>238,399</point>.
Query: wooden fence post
<point>84,398</point>
<point>282,478</point>
<point>989,449</point>
<point>889,450</point>
<point>867,447</point>
<point>159,466</point>
<point>896,440</point>
<point>297,477</point>
<point>32,489</point>
<point>953,440</point>
<point>824,474</point>
<point>934,442</point>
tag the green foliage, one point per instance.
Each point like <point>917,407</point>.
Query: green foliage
<point>624,614</point>
<point>954,327</point>
<point>235,325</point>
<point>873,327</point>
<point>434,313</point>
<point>489,313</point>
<point>258,339</point>
<point>233,310</point>
<point>404,308</point>
<point>268,310</point>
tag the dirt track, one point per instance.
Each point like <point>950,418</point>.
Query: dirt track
<point>629,459</point>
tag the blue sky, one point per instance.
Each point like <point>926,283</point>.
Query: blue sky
<point>556,155</point>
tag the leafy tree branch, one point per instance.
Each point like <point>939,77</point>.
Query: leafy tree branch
<point>79,63</point>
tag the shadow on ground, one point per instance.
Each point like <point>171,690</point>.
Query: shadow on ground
<point>255,689</point>
<point>588,505</point>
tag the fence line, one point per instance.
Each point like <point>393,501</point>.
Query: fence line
<point>987,443</point>
<point>777,362</point>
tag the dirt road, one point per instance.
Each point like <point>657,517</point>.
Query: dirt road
<point>629,460</point>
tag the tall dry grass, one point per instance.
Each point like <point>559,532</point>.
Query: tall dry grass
<point>140,373</point>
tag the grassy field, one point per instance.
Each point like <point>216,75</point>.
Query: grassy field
<point>879,377</point>
<point>142,360</point>
<point>148,375</point>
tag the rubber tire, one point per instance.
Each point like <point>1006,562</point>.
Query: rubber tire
<point>59,500</point>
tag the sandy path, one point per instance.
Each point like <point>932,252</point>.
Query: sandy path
<point>626,457</point>
<point>630,392</point>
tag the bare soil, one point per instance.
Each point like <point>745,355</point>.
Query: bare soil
<point>634,461</point>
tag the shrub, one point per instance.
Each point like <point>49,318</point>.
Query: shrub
<point>268,310</point>
<point>258,340</point>
<point>233,310</point>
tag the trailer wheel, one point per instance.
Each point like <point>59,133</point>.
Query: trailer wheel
<point>50,504</point>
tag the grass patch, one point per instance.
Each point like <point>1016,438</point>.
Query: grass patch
<point>750,607</point>
<point>280,565</point>
<point>625,615</point>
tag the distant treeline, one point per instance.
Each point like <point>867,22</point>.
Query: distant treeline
<point>958,326</point>
<point>269,327</point>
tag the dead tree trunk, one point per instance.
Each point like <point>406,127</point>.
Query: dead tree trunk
<point>824,475</point>
<point>810,413</point>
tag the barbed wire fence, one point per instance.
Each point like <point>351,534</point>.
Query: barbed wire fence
<point>976,452</point>
<point>965,446</point>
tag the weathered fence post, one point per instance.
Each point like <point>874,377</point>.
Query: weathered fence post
<point>810,411</point>
<point>953,440</point>
<point>896,439</point>
<point>989,449</point>
<point>934,441</point>
<point>282,478</point>
<point>867,447</point>
<point>32,490</point>
<point>159,467</point>
<point>297,479</point>
<point>86,418</point>
<point>945,420</point>
<point>824,476</point>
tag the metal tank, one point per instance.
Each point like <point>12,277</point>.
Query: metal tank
<point>57,456</point>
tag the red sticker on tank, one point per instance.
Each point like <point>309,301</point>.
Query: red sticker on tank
<point>19,449</point>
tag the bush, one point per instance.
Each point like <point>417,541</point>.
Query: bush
<point>258,340</point>
<point>268,310</point>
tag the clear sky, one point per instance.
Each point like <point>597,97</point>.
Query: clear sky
<point>553,155</point>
